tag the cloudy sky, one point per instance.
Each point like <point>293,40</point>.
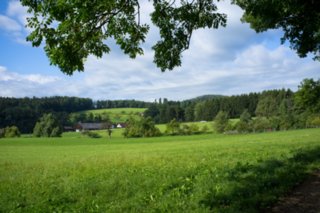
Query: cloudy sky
<point>228,61</point>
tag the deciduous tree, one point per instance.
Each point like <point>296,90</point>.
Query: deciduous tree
<point>47,126</point>
<point>307,97</point>
<point>221,121</point>
<point>298,19</point>
<point>73,30</point>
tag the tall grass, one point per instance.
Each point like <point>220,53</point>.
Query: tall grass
<point>202,173</point>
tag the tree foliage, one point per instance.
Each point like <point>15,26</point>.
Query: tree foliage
<point>145,127</point>
<point>47,126</point>
<point>221,121</point>
<point>267,106</point>
<point>298,19</point>
<point>173,127</point>
<point>10,132</point>
<point>307,98</point>
<point>73,30</point>
<point>244,124</point>
<point>24,112</point>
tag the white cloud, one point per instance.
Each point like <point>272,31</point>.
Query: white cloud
<point>14,21</point>
<point>9,24</point>
<point>15,9</point>
<point>231,60</point>
<point>2,69</point>
<point>19,85</point>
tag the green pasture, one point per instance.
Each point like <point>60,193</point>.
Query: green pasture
<point>117,114</point>
<point>198,173</point>
<point>117,132</point>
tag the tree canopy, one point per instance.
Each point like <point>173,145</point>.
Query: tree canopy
<point>72,30</point>
<point>299,20</point>
<point>48,126</point>
<point>307,97</point>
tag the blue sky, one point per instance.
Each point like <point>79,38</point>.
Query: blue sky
<point>227,61</point>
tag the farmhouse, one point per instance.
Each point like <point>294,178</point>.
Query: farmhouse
<point>96,126</point>
<point>89,126</point>
<point>121,125</point>
<point>68,129</point>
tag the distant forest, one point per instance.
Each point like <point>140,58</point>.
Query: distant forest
<point>25,112</point>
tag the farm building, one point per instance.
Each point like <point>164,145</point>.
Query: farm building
<point>96,126</point>
<point>121,125</point>
<point>89,126</point>
<point>68,129</point>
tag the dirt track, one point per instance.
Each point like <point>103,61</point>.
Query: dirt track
<point>305,198</point>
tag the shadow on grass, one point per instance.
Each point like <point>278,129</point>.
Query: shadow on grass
<point>252,188</point>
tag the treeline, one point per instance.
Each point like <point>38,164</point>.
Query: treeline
<point>25,112</point>
<point>205,108</point>
<point>121,104</point>
<point>292,109</point>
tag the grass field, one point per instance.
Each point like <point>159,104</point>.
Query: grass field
<point>118,114</point>
<point>201,173</point>
<point>117,132</point>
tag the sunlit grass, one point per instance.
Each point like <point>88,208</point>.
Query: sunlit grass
<point>199,173</point>
<point>117,115</point>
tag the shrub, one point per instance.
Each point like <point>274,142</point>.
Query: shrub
<point>91,134</point>
<point>243,127</point>
<point>300,120</point>
<point>47,126</point>
<point>185,130</point>
<point>11,132</point>
<point>313,121</point>
<point>173,127</point>
<point>204,129</point>
<point>261,124</point>
<point>1,133</point>
<point>221,121</point>
<point>194,128</point>
<point>144,127</point>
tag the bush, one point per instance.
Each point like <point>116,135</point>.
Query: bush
<point>185,130</point>
<point>47,126</point>
<point>1,133</point>
<point>313,121</point>
<point>194,128</point>
<point>91,134</point>
<point>261,124</point>
<point>191,129</point>
<point>221,121</point>
<point>173,127</point>
<point>10,132</point>
<point>144,127</point>
<point>205,129</point>
<point>243,127</point>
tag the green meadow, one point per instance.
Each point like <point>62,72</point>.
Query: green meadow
<point>198,173</point>
<point>117,114</point>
